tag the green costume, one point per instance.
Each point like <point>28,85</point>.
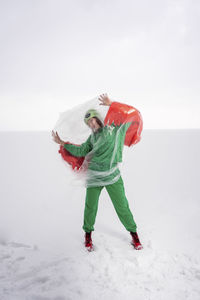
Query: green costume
<point>103,151</point>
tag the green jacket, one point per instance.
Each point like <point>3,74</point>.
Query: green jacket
<point>104,150</point>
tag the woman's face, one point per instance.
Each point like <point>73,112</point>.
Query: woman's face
<point>92,123</point>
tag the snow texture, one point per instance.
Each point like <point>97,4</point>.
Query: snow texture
<point>42,256</point>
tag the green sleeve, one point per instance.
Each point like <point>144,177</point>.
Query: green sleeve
<point>127,125</point>
<point>81,150</point>
<point>123,127</point>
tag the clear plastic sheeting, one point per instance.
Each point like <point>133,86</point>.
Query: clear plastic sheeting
<point>71,126</point>
<point>94,156</point>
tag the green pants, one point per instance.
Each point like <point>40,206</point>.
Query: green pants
<point>117,195</point>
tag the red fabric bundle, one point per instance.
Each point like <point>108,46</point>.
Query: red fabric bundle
<point>120,113</point>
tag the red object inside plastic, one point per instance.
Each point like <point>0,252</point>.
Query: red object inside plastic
<point>120,113</point>
<point>75,162</point>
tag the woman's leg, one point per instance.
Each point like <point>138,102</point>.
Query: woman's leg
<point>117,194</point>
<point>91,206</point>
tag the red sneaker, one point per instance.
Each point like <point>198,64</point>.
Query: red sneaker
<point>135,241</point>
<point>88,241</point>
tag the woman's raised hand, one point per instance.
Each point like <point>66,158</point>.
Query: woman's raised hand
<point>104,100</point>
<point>57,139</point>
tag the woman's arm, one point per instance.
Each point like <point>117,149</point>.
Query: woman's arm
<point>76,150</point>
<point>79,150</point>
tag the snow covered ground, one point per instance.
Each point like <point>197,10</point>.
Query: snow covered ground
<point>41,239</point>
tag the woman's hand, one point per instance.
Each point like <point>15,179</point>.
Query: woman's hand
<point>104,100</point>
<point>57,139</point>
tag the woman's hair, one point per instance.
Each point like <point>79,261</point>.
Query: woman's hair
<point>99,122</point>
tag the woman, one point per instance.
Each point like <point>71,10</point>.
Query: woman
<point>103,152</point>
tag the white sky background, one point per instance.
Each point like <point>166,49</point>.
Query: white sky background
<point>57,54</point>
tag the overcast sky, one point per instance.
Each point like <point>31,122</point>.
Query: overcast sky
<point>57,54</point>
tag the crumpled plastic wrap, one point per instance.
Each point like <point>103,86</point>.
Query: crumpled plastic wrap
<point>100,165</point>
